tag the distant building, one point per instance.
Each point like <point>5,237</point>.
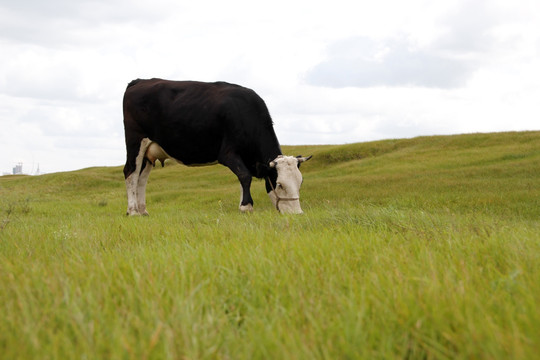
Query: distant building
<point>17,170</point>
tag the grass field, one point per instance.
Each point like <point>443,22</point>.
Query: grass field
<point>425,248</point>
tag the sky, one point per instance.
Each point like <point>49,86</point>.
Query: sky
<point>330,72</point>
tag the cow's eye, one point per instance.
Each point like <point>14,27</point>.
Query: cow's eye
<point>279,186</point>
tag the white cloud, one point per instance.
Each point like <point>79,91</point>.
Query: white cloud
<point>468,37</point>
<point>361,63</point>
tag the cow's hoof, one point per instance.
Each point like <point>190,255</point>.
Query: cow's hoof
<point>246,208</point>
<point>136,213</point>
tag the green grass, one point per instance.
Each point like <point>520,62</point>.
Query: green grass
<point>425,248</point>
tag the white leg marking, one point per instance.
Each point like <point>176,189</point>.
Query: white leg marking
<point>141,189</point>
<point>244,208</point>
<point>131,187</point>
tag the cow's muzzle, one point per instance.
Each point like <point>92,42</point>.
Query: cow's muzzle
<point>279,198</point>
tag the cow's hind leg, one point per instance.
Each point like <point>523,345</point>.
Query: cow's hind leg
<point>141,187</point>
<point>133,176</point>
<point>131,187</point>
<point>238,167</point>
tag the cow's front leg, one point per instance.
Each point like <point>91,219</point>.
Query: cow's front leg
<point>246,201</point>
<point>238,167</point>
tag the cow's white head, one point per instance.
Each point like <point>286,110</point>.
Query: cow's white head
<point>285,194</point>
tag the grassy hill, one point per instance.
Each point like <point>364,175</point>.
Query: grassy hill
<point>414,248</point>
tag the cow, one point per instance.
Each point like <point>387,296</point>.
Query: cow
<point>199,123</point>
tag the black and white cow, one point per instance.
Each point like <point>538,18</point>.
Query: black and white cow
<point>198,123</point>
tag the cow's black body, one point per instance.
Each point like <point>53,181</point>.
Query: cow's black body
<point>199,123</point>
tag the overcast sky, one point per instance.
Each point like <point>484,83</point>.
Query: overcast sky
<point>331,72</point>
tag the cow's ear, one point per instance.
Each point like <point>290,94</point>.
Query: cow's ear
<point>301,159</point>
<point>273,163</point>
